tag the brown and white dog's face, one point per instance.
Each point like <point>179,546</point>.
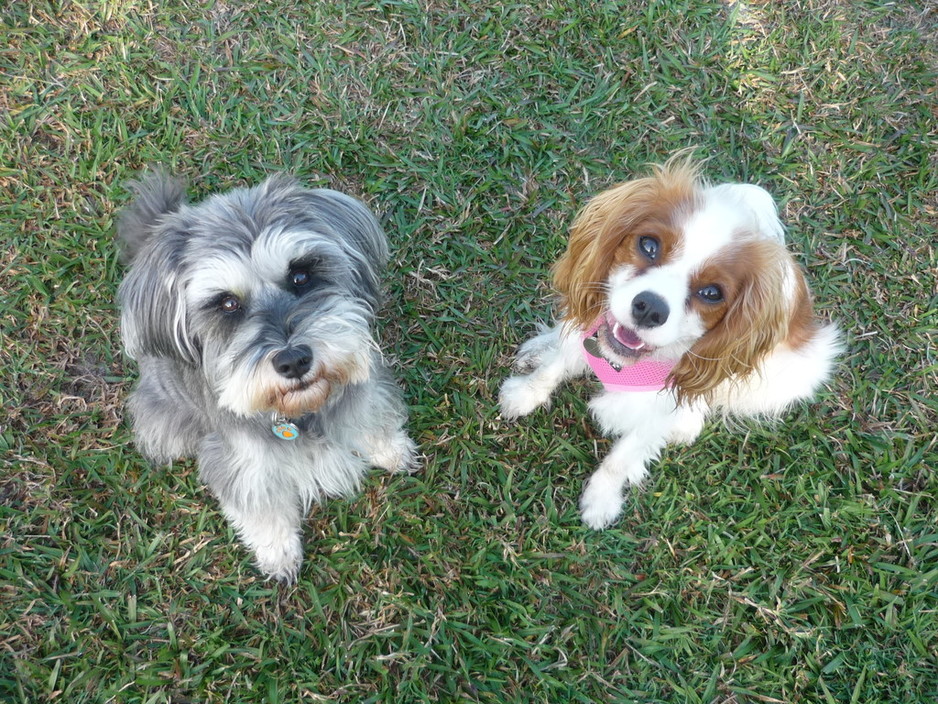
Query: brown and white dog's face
<point>674,269</point>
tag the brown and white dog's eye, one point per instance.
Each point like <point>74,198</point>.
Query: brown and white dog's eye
<point>649,247</point>
<point>711,293</point>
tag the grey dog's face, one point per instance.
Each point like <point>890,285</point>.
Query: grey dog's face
<point>278,324</point>
<point>269,291</point>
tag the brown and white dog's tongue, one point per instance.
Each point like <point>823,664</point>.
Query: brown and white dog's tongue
<point>623,335</point>
<point>627,337</point>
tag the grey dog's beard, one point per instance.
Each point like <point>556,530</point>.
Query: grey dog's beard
<point>295,401</point>
<point>307,396</point>
<point>260,389</point>
<point>245,381</point>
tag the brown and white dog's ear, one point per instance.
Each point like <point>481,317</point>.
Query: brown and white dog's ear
<point>603,227</point>
<point>597,232</point>
<point>771,306</point>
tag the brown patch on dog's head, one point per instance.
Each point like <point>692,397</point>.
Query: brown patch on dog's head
<point>765,303</point>
<point>606,233</point>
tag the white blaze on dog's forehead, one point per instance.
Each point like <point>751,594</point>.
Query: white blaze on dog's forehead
<point>790,285</point>
<point>277,248</point>
<point>756,202</point>
<point>222,271</point>
<point>706,231</point>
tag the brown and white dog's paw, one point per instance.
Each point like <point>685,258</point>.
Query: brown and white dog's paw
<point>531,353</point>
<point>601,502</point>
<point>520,395</point>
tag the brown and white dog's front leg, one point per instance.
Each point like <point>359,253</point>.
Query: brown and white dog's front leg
<point>643,424</point>
<point>553,356</point>
<point>626,464</point>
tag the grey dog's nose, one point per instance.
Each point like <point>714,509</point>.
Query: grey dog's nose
<point>293,362</point>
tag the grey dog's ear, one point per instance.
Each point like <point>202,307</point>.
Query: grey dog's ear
<point>154,315</point>
<point>157,194</point>
<point>153,237</point>
<point>362,238</point>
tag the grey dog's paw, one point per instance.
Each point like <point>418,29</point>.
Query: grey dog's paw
<point>281,562</point>
<point>396,454</point>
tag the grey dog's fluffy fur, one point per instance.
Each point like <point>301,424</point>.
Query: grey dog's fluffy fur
<point>214,292</point>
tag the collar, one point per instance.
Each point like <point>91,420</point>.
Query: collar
<point>646,375</point>
<point>292,428</point>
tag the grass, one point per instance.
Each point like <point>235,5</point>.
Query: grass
<point>796,563</point>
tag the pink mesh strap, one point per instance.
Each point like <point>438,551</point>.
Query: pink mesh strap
<point>641,376</point>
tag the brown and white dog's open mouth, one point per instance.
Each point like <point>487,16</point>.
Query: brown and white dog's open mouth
<point>621,341</point>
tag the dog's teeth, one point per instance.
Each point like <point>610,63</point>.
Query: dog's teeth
<point>626,337</point>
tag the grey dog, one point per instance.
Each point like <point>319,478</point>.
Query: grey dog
<point>250,315</point>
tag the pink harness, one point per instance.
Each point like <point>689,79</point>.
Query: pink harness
<point>642,376</point>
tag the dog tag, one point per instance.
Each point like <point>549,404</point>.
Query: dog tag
<point>592,346</point>
<point>284,429</point>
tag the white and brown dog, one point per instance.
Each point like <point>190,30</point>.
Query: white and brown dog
<point>683,300</point>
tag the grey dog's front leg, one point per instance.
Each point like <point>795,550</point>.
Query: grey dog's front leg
<point>266,514</point>
<point>166,420</point>
<point>273,534</point>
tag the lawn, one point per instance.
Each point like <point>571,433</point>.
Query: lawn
<point>790,563</point>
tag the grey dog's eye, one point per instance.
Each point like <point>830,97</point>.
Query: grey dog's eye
<point>229,304</point>
<point>300,278</point>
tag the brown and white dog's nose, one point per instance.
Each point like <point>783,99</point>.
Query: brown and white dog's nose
<point>293,362</point>
<point>649,310</point>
